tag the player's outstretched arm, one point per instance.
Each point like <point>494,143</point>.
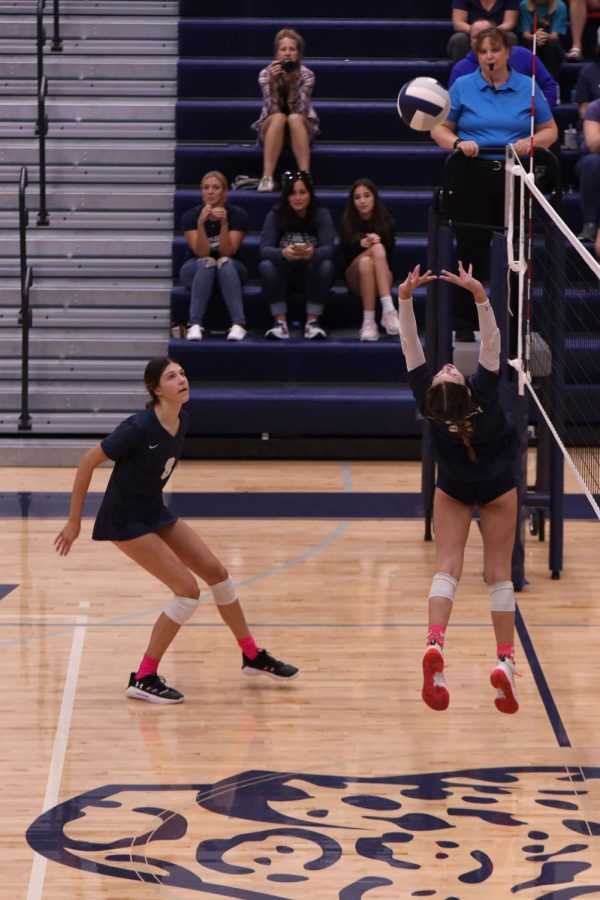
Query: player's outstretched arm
<point>489,350</point>
<point>464,279</point>
<point>409,337</point>
<point>70,531</point>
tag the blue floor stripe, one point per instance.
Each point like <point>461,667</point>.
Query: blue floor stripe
<point>258,505</point>
<point>6,589</point>
<point>542,685</point>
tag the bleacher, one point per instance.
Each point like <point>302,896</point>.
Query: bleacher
<point>341,388</point>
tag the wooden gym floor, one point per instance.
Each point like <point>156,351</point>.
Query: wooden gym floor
<point>341,784</point>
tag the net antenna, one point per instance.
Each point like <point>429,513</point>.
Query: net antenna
<point>553,253</point>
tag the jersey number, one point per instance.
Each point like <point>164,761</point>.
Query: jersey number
<point>170,463</point>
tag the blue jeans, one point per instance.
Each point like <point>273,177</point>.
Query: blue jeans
<point>279,278</point>
<point>588,170</point>
<point>200,275</point>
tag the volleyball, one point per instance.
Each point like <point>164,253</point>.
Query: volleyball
<point>423,103</point>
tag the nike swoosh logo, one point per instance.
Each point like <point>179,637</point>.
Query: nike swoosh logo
<point>152,446</point>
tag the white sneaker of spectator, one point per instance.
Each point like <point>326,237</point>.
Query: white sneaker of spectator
<point>278,332</point>
<point>391,322</point>
<point>194,333</point>
<point>236,333</point>
<point>313,330</point>
<point>369,331</point>
<point>266,183</point>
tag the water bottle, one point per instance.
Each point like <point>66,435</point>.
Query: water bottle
<point>570,138</point>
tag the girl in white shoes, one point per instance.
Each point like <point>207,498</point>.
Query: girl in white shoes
<point>134,516</point>
<point>476,450</point>
<point>367,234</point>
<point>214,231</point>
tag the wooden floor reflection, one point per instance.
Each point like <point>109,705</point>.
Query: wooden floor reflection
<point>339,785</point>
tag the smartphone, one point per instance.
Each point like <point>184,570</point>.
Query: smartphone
<point>300,245</point>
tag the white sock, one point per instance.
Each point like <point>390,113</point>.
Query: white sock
<point>368,315</point>
<point>387,304</point>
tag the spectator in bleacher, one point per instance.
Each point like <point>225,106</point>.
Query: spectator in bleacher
<point>287,113</point>
<point>367,233</point>
<point>296,251</point>
<point>551,24</point>
<point>214,231</point>
<point>503,14</point>
<point>578,13</point>
<point>587,86</point>
<point>520,59</point>
<point>490,108</point>
<point>588,170</point>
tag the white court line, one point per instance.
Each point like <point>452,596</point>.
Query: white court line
<point>38,868</point>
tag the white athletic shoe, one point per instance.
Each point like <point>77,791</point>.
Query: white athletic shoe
<point>236,333</point>
<point>279,332</point>
<point>194,333</point>
<point>369,331</point>
<point>266,184</point>
<point>502,677</point>
<point>312,331</point>
<point>391,322</point>
<point>434,693</point>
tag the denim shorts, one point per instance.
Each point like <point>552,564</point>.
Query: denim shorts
<point>477,493</point>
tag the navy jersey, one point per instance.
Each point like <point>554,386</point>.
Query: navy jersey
<point>145,455</point>
<point>492,436</point>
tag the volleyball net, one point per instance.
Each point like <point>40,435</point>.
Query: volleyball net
<point>554,325</point>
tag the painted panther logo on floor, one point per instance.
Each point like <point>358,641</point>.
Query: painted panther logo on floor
<point>286,836</point>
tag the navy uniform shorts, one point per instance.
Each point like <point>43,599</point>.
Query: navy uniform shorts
<point>477,493</point>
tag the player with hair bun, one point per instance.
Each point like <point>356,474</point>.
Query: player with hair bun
<point>133,515</point>
<point>476,450</point>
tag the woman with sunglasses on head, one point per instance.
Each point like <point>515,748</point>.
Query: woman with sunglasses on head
<point>133,515</point>
<point>476,450</point>
<point>367,234</point>
<point>286,85</point>
<point>296,252</point>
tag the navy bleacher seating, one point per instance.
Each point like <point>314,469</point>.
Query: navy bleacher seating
<point>338,387</point>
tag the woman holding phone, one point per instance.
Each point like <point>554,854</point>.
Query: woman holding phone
<point>296,252</point>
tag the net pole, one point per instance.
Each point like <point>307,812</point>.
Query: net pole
<point>529,202</point>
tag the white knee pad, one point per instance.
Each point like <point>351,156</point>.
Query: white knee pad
<point>502,596</point>
<point>224,592</point>
<point>181,608</point>
<point>443,585</point>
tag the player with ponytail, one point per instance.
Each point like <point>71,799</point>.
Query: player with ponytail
<point>476,450</point>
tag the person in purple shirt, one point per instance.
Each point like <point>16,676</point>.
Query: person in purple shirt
<point>502,14</point>
<point>520,59</point>
<point>588,170</point>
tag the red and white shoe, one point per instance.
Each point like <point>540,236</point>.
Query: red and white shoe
<point>502,677</point>
<point>434,693</point>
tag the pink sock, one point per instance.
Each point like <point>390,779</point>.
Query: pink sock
<point>148,666</point>
<point>506,650</point>
<point>436,633</point>
<point>248,647</point>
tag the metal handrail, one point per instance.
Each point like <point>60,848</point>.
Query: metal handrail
<point>42,218</point>
<point>39,43</point>
<point>25,317</point>
<point>56,39</point>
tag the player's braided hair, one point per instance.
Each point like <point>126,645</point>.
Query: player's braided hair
<point>452,404</point>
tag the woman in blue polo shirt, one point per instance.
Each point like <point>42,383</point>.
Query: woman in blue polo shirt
<point>489,108</point>
<point>476,450</point>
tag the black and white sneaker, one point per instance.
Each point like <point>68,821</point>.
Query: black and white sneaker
<point>152,688</point>
<point>265,664</point>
